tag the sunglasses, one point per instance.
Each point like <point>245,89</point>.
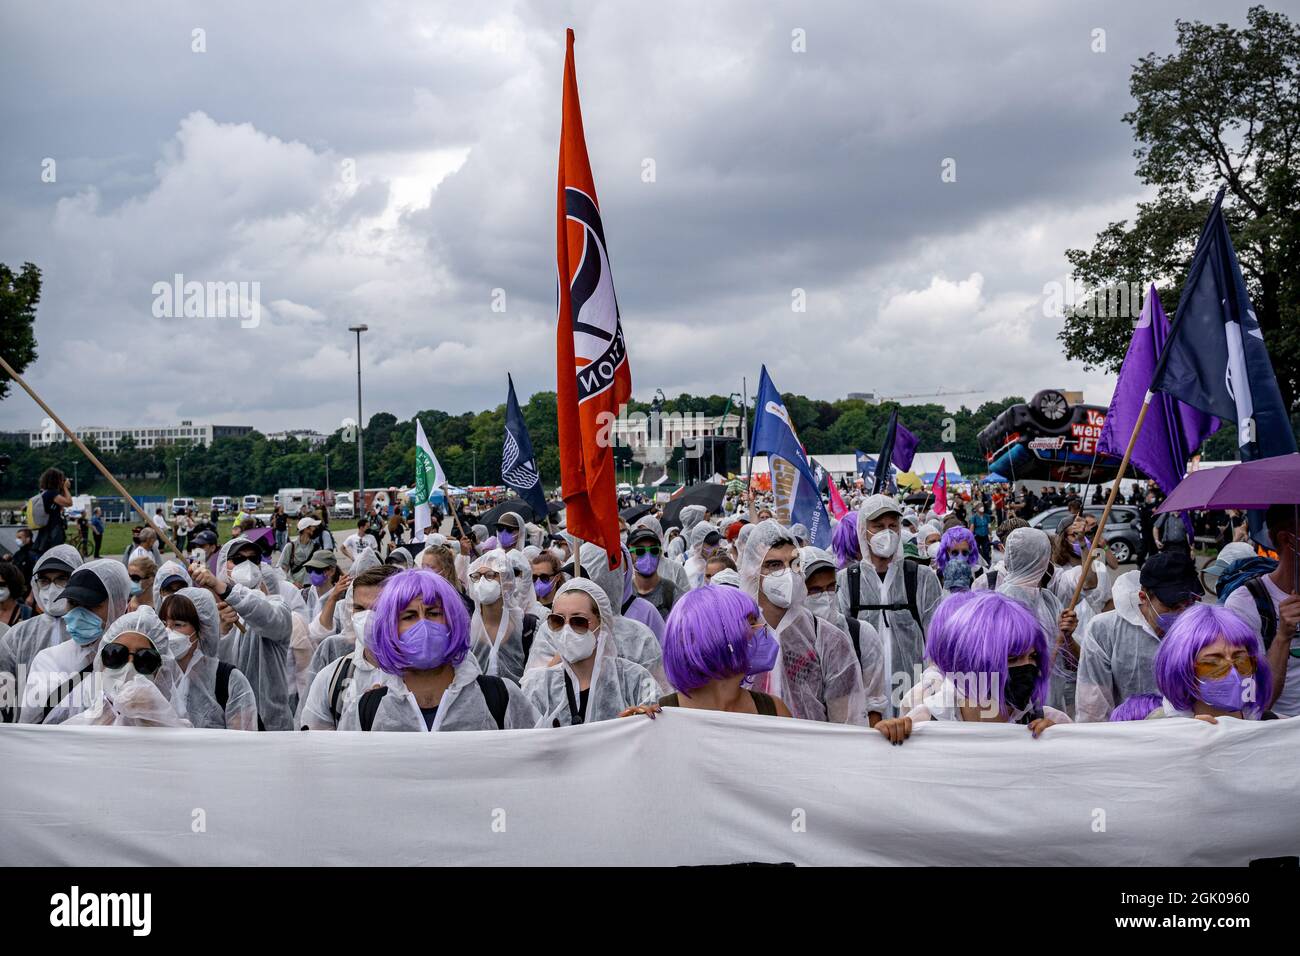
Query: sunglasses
<point>137,578</point>
<point>641,552</point>
<point>241,558</point>
<point>1243,662</point>
<point>579,622</point>
<point>544,578</point>
<point>115,655</point>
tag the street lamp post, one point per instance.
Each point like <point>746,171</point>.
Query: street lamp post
<point>327,471</point>
<point>75,463</point>
<point>178,477</point>
<point>361,455</point>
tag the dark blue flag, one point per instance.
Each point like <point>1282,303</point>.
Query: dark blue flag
<point>897,450</point>
<point>518,466</point>
<point>774,436</point>
<point>1215,359</point>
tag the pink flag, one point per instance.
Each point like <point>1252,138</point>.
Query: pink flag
<point>838,508</point>
<point>941,488</point>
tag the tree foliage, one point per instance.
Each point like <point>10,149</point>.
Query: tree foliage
<point>19,295</point>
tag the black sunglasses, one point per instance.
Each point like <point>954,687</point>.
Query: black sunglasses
<point>147,660</point>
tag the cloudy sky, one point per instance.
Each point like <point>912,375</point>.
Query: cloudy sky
<point>395,163</point>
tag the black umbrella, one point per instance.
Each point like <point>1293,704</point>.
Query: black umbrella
<point>490,517</point>
<point>636,511</point>
<point>705,493</point>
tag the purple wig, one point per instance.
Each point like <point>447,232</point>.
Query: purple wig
<point>844,540</point>
<point>940,633</point>
<point>398,591</point>
<point>986,631</point>
<point>949,540</point>
<point>1197,628</point>
<point>1136,707</point>
<point>708,636</point>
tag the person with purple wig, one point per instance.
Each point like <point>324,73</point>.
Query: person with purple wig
<point>715,642</point>
<point>1212,664</point>
<point>957,547</point>
<point>1137,707</point>
<point>996,668</point>
<point>844,541</point>
<point>938,656</point>
<point>419,636</point>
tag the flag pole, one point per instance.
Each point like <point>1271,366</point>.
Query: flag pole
<point>452,508</point>
<point>94,461</point>
<point>1099,534</point>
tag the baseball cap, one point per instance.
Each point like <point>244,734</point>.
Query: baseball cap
<point>323,558</point>
<point>877,505</point>
<point>205,537</point>
<point>641,533</point>
<point>84,589</point>
<point>815,565</point>
<point>1171,577</point>
<point>308,522</point>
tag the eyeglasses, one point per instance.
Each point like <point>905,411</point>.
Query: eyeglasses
<point>147,660</point>
<point>580,623</point>
<point>642,550</point>
<point>1213,670</point>
<point>490,575</point>
<point>137,578</point>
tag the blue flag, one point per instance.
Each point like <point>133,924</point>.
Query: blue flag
<point>866,464</point>
<point>518,465</point>
<point>898,450</point>
<point>1215,359</point>
<point>775,437</point>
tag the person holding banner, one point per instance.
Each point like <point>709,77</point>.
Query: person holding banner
<point>819,676</point>
<point>818,568</point>
<point>496,630</point>
<point>134,677</point>
<point>21,643</point>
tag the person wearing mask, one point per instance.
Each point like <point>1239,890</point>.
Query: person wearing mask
<point>510,531</point>
<point>1119,647</point>
<point>818,675</point>
<point>1283,623</point>
<point>716,564</point>
<point>206,549</point>
<point>716,641</point>
<point>590,681</point>
<point>632,639</point>
<point>995,669</point>
<point>546,578</point>
<point>96,595</point>
<point>1025,576</point>
<point>13,592</point>
<point>134,676</point>
<point>1212,664</point>
<point>981,527</point>
<point>501,632</point>
<point>957,559</point>
<point>441,559</point>
<point>256,628</point>
<point>703,541</point>
<point>819,573</point>
<point>894,596</point>
<point>343,665</point>
<point>646,558</point>
<point>25,556</point>
<point>689,516</point>
<point>296,554</point>
<point>430,681</point>
<point>142,572</point>
<point>1169,532</point>
<point>171,577</point>
<point>322,574</point>
<point>210,693</point>
<point>56,494</point>
<point>20,644</point>
<point>146,546</point>
<point>1069,547</point>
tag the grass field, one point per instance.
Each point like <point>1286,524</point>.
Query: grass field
<point>118,536</point>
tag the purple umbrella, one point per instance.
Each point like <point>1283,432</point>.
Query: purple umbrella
<point>1248,484</point>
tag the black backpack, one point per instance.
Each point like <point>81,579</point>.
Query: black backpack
<point>494,694</point>
<point>222,690</point>
<point>855,596</point>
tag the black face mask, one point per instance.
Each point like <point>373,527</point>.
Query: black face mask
<point>1020,685</point>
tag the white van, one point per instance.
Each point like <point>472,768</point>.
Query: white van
<point>252,502</point>
<point>179,503</point>
<point>343,506</point>
<point>223,504</point>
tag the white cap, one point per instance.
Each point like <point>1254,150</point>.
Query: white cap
<point>309,522</point>
<point>878,505</point>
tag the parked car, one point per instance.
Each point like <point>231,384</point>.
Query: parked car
<point>1123,532</point>
<point>224,505</point>
<point>252,502</point>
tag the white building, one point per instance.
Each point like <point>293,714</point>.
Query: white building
<point>309,435</point>
<point>145,437</point>
<point>923,463</point>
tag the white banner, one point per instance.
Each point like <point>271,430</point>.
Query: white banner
<point>688,788</point>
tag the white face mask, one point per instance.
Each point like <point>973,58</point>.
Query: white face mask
<point>487,592</point>
<point>179,644</point>
<point>575,647</point>
<point>823,605</point>
<point>4,595</point>
<point>47,594</point>
<point>933,550</point>
<point>779,587</point>
<point>118,677</point>
<point>884,543</point>
<point>247,573</point>
<point>360,621</point>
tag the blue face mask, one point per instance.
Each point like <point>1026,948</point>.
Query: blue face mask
<point>83,626</point>
<point>763,653</point>
<point>136,588</point>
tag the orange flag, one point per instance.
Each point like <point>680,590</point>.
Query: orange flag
<point>593,379</point>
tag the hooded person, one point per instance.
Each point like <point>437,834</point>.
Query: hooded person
<point>343,666</point>
<point>633,640</point>
<point>819,569</point>
<point>670,570</point>
<point>258,642</point>
<point>96,595</point>
<point>1118,649</point>
<point>510,530</point>
<point>496,631</point>
<point>21,643</point>
<point>1068,549</point>
<point>801,535</point>
<point>1026,564</point>
<point>689,516</point>
<point>817,674</point>
<point>419,636</point>
<point>727,577</point>
<point>591,681</point>
<point>134,678</point>
<point>171,577</point>
<point>897,597</point>
<point>209,692</point>
<point>702,541</point>
<point>524,595</point>
<point>636,607</point>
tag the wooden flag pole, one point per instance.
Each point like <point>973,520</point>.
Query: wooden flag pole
<point>90,456</point>
<point>1099,534</point>
<point>454,514</point>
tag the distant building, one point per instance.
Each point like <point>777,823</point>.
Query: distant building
<point>309,435</point>
<point>145,437</point>
<point>868,397</point>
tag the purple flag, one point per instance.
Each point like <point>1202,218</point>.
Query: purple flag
<point>904,448</point>
<point>1172,430</point>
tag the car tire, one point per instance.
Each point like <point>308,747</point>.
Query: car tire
<point>1050,411</point>
<point>1121,550</point>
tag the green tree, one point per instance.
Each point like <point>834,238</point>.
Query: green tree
<point>1223,110</point>
<point>19,294</point>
